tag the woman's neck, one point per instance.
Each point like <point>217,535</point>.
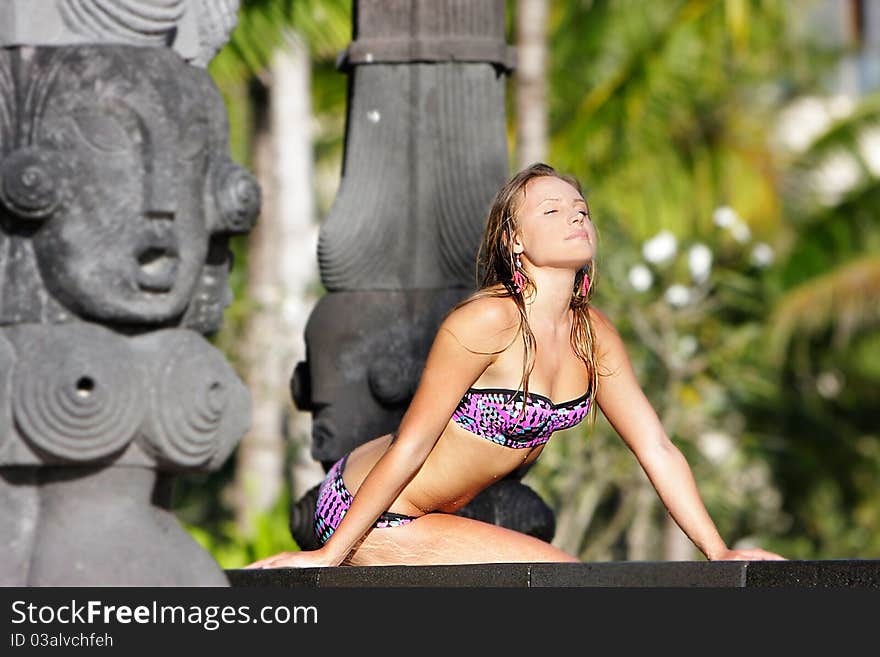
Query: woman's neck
<point>548,305</point>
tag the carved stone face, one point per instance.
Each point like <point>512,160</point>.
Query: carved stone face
<point>131,133</point>
<point>363,366</point>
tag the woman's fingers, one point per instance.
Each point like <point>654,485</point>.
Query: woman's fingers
<point>757,554</point>
<point>268,562</point>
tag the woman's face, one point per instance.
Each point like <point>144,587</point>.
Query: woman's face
<point>553,225</point>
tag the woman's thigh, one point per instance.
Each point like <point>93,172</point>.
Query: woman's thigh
<point>442,538</point>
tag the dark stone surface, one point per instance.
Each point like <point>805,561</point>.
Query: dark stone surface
<point>365,351</point>
<point>446,576</point>
<point>118,194</point>
<point>425,151</point>
<point>814,574</point>
<point>278,577</point>
<point>196,29</point>
<point>81,393</point>
<point>639,574</point>
<point>91,526</point>
<point>636,574</point>
<point>473,575</point>
<point>510,503</point>
<point>117,201</point>
<point>302,518</point>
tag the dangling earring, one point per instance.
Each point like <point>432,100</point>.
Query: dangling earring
<point>518,279</point>
<point>585,283</point>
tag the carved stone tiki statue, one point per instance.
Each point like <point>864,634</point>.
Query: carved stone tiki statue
<point>117,201</point>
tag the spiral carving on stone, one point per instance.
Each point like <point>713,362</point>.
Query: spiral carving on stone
<point>191,391</point>
<point>146,21</point>
<point>75,391</point>
<point>238,197</point>
<point>28,186</point>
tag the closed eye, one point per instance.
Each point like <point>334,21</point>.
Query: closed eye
<point>549,211</point>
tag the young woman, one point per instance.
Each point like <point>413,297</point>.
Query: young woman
<point>522,357</point>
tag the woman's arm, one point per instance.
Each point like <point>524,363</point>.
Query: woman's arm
<point>628,410</point>
<point>454,362</point>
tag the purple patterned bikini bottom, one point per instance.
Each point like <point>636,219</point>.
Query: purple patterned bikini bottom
<point>334,500</point>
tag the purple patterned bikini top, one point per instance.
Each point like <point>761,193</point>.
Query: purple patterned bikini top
<point>491,413</point>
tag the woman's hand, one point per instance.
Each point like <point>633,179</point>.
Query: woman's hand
<point>748,554</point>
<point>299,559</point>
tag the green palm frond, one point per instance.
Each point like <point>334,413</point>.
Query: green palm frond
<point>667,100</point>
<point>262,27</point>
<point>664,54</point>
<point>844,300</point>
<point>325,25</point>
<point>635,65</point>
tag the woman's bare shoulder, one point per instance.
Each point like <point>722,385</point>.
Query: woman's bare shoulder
<point>486,322</point>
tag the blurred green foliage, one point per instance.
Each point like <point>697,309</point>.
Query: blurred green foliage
<point>232,550</point>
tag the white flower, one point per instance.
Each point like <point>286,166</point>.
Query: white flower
<point>700,262</point>
<point>840,106</point>
<point>801,122</point>
<point>677,295</point>
<point>715,446</point>
<point>687,346</point>
<point>869,149</point>
<point>829,384</point>
<point>725,217</point>
<point>660,248</point>
<point>762,255</point>
<point>740,232</point>
<point>640,277</point>
<point>837,175</point>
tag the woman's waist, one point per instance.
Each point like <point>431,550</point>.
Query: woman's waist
<point>420,497</point>
<point>456,471</point>
<point>458,468</point>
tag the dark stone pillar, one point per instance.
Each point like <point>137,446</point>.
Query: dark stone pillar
<point>425,152</point>
<point>117,200</point>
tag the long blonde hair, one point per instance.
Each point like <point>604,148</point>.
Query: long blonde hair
<point>496,265</point>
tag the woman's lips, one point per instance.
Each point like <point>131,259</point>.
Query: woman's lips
<point>579,235</point>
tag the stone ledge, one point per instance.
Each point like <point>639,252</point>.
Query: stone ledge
<point>736,574</point>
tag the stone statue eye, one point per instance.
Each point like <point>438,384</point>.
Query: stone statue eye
<point>193,138</point>
<point>102,131</point>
